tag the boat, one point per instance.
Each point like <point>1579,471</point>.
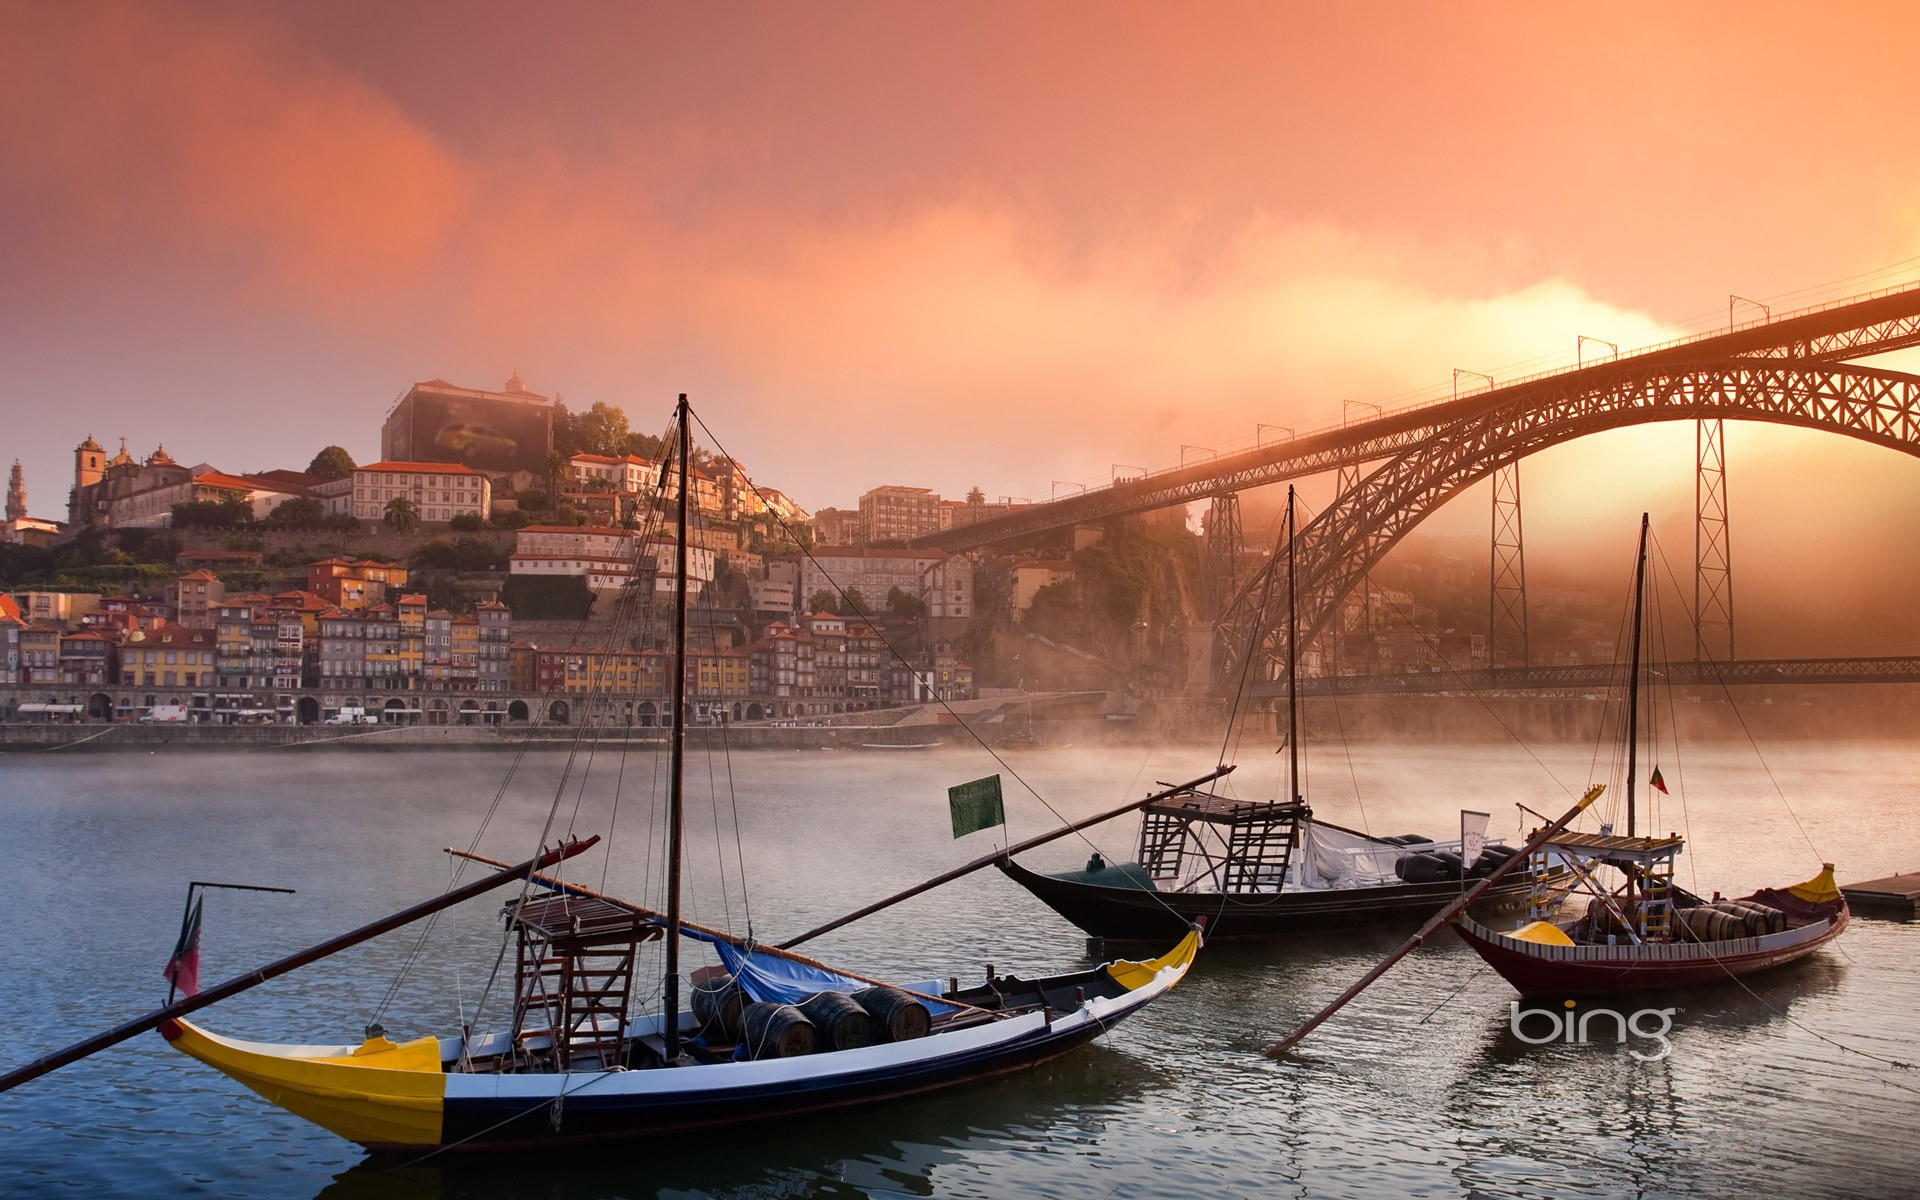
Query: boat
<point>1260,869</point>
<point>1640,929</point>
<point>766,1034</point>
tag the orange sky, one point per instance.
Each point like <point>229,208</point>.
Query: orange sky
<point>993,244</point>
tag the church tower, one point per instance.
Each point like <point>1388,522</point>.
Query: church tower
<point>16,493</point>
<point>89,463</point>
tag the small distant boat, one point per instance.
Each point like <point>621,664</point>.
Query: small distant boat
<point>1645,931</point>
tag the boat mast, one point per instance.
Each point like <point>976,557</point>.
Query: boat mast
<point>1633,667</point>
<point>670,1027</point>
<point>1293,665</point>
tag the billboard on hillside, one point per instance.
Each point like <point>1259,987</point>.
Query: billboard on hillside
<point>483,430</point>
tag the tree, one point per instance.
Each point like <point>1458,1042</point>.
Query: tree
<point>905,604</point>
<point>823,601</point>
<point>558,467</point>
<point>466,522</point>
<point>512,518</point>
<point>567,514</point>
<point>602,429</point>
<point>975,496</point>
<point>856,603</point>
<point>331,463</point>
<point>301,510</point>
<point>213,514</point>
<point>647,445</point>
<point>531,500</point>
<point>402,516</point>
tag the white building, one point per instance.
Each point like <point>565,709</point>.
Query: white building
<point>604,557</point>
<point>439,491</point>
<point>945,584</point>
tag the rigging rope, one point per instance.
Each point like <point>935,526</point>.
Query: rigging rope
<point>1713,666</point>
<point>895,651</point>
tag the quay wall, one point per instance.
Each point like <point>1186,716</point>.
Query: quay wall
<point>1830,713</point>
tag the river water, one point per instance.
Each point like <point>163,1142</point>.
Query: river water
<point>1418,1089</point>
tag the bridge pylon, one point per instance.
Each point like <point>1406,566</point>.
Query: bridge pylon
<point>1508,640</point>
<point>1712,545</point>
<point>1225,551</point>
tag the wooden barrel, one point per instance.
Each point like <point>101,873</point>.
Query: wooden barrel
<point>897,1016</point>
<point>1420,868</point>
<point>1711,923</point>
<point>842,1023</point>
<point>717,1004</point>
<point>775,1031</point>
<point>1456,866</point>
<point>1760,918</point>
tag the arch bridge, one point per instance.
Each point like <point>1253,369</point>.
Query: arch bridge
<point>1397,467</point>
<point>1353,533</point>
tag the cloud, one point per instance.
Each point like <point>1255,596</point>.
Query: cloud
<point>952,339</point>
<point>149,133</point>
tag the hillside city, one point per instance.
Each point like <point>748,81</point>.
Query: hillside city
<point>472,575</point>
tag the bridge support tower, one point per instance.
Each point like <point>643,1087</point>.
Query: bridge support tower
<point>1225,550</point>
<point>1508,641</point>
<point>1712,546</point>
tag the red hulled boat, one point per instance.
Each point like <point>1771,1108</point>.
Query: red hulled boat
<point>1641,930</point>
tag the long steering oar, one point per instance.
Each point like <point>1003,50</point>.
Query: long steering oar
<point>240,983</point>
<point>987,860</point>
<point>1436,921</point>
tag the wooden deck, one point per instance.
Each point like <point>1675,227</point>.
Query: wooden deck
<point>1894,896</point>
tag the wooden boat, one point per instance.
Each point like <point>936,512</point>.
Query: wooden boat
<point>505,1091</point>
<point>577,1063</point>
<point>1256,870</point>
<point>1266,869</point>
<point>1645,931</point>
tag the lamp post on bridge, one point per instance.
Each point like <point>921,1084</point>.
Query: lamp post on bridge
<point>1459,371</point>
<point>1766,313</point>
<point>1579,343</point>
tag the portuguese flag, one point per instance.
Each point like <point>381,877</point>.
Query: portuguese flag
<point>183,969</point>
<point>1658,782</point>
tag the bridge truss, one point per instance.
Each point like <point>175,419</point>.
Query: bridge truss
<point>1360,526</point>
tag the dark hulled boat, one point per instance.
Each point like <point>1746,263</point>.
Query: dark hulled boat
<point>1254,870</point>
<point>1267,869</point>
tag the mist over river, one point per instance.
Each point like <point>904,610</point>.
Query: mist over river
<point>1417,1089</point>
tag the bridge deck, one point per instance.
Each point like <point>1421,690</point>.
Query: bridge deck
<point>1604,676</point>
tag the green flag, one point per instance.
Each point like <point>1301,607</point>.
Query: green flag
<point>976,806</point>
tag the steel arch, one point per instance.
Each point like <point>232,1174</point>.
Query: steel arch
<point>1358,528</point>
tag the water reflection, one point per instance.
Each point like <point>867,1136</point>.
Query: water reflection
<point>1415,1089</point>
<point>900,1150</point>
